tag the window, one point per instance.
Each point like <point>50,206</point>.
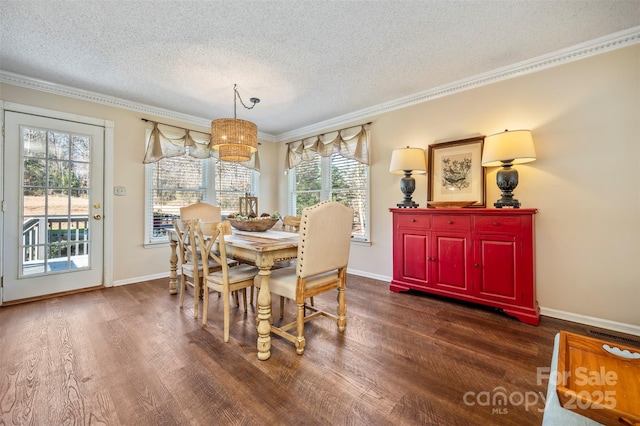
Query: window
<point>176,182</point>
<point>172,183</point>
<point>233,181</point>
<point>332,178</point>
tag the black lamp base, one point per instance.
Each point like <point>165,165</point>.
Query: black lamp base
<point>407,205</point>
<point>407,186</point>
<point>507,180</point>
<point>506,202</point>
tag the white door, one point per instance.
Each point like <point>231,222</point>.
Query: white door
<point>53,187</point>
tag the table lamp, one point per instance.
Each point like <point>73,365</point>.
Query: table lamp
<point>407,161</point>
<point>506,149</point>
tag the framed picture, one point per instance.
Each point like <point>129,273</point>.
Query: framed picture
<point>456,173</point>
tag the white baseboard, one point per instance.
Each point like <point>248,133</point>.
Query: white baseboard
<point>369,275</point>
<point>595,322</point>
<point>140,279</point>
<point>548,312</point>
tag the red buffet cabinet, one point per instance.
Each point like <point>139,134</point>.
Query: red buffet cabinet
<point>485,256</point>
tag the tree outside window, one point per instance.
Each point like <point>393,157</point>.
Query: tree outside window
<point>332,178</point>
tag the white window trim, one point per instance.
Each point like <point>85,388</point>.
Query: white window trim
<point>210,195</point>
<point>325,164</point>
<point>149,241</point>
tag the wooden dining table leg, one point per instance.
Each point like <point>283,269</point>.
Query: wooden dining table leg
<point>264,315</point>
<point>173,267</point>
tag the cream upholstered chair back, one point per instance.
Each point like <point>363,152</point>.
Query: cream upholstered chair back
<point>203,211</point>
<point>325,238</point>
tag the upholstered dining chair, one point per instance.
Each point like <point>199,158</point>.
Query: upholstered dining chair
<point>289,224</point>
<point>189,261</point>
<point>229,278</point>
<point>203,211</point>
<point>321,266</point>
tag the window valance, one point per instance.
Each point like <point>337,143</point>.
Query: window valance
<point>351,142</point>
<point>169,141</point>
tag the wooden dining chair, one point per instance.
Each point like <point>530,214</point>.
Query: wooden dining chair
<point>202,211</point>
<point>321,266</point>
<point>229,278</point>
<point>189,260</point>
<point>291,223</point>
<point>207,213</point>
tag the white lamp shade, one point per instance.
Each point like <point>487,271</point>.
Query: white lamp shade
<point>408,159</point>
<point>515,146</point>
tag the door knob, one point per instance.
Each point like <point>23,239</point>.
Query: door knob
<point>97,216</point>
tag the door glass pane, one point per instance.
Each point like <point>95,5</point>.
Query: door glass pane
<point>35,143</point>
<point>55,219</point>
<point>58,147</point>
<point>80,148</point>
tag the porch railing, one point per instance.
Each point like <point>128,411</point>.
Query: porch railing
<point>67,236</point>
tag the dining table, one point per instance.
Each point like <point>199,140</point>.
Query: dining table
<point>262,249</point>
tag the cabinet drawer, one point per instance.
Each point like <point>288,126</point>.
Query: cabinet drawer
<point>453,223</point>
<point>413,221</point>
<point>499,224</point>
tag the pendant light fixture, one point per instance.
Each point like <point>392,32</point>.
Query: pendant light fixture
<point>234,139</point>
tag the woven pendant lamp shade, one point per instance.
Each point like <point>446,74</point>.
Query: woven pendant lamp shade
<point>235,139</point>
<point>234,153</point>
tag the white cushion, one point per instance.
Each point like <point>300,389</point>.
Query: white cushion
<point>236,274</point>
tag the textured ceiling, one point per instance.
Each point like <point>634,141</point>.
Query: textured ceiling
<point>308,61</point>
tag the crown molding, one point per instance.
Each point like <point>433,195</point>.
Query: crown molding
<point>85,95</point>
<point>591,48</point>
<point>594,47</point>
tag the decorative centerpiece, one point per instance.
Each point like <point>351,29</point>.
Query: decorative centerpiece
<point>253,224</point>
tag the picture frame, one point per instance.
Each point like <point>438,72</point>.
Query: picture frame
<point>456,173</point>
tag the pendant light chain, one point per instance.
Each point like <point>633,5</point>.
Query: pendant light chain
<point>253,101</point>
<point>234,139</point>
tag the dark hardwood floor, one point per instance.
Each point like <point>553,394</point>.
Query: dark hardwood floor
<point>129,356</point>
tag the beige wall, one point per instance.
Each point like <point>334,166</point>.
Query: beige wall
<point>130,259</point>
<point>585,119</point>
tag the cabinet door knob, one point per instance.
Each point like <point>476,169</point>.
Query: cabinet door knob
<point>496,223</point>
<point>413,220</point>
<point>477,265</point>
<point>450,222</point>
